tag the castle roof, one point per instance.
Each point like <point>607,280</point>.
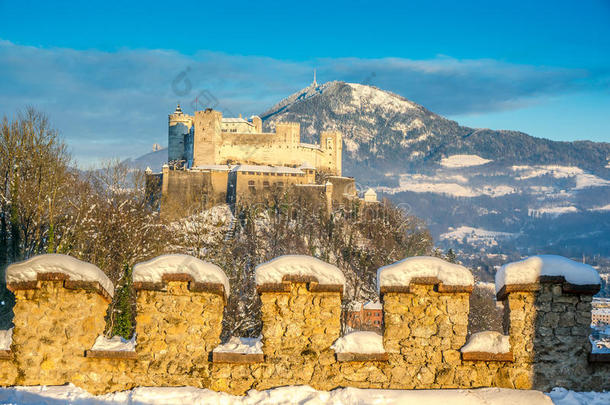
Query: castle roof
<point>250,168</point>
<point>307,166</point>
<point>236,120</point>
<point>266,169</point>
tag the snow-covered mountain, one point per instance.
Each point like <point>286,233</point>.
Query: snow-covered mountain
<point>491,194</point>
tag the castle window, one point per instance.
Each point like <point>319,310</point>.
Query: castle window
<point>280,184</point>
<point>251,185</point>
<point>266,185</point>
<point>329,143</point>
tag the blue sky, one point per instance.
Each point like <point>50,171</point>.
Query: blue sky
<point>103,71</point>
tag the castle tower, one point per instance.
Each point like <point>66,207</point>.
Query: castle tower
<point>179,136</point>
<point>207,139</point>
<point>331,143</point>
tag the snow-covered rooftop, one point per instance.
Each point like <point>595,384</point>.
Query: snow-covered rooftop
<point>487,342</point>
<point>400,273</point>
<point>306,166</point>
<point>75,269</point>
<point>273,271</point>
<point>241,345</point>
<point>153,270</point>
<point>528,270</point>
<point>236,120</point>
<point>361,342</point>
<point>266,169</point>
<point>373,305</point>
<point>249,168</point>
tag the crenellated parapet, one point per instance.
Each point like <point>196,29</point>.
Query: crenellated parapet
<point>60,307</point>
<point>61,304</point>
<point>179,304</point>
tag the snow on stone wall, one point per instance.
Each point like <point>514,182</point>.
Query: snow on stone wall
<point>529,270</point>
<point>487,342</point>
<point>275,270</point>
<point>75,269</point>
<point>401,273</point>
<point>423,344</point>
<point>153,270</point>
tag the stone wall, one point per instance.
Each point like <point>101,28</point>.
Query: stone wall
<point>179,324</point>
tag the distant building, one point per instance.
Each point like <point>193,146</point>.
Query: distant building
<point>365,317</point>
<point>370,195</point>
<point>600,315</point>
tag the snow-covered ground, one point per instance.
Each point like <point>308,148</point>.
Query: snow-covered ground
<point>476,236</point>
<point>463,161</point>
<point>305,395</point>
<point>561,396</point>
<point>553,211</point>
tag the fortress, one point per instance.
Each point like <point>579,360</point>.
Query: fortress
<point>213,159</point>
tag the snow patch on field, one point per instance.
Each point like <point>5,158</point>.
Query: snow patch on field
<point>558,172</point>
<point>487,342</point>
<point>115,344</point>
<point>303,395</point>
<point>552,211</point>
<point>56,263</point>
<point>589,180</point>
<point>463,161</point>
<point>448,184</point>
<point>583,179</point>
<point>476,235</point>
<point>527,271</point>
<point>359,342</point>
<point>241,345</point>
<point>401,273</point>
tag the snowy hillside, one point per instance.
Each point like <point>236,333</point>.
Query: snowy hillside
<point>551,197</point>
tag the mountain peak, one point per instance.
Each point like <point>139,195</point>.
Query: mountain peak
<point>312,90</point>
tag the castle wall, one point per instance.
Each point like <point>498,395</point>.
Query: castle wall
<point>270,149</point>
<point>213,145</point>
<point>178,326</point>
<point>254,185</point>
<point>186,191</point>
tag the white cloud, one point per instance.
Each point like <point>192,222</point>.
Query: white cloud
<point>116,103</point>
